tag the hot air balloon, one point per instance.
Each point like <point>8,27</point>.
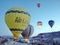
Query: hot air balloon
<point>17,19</point>
<point>39,24</point>
<point>51,23</point>
<point>28,32</point>
<point>38,5</point>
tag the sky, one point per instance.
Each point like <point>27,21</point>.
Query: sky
<point>49,10</point>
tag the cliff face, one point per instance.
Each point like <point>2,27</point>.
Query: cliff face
<point>47,38</point>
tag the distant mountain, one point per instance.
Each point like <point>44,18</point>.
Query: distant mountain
<point>46,38</point>
<point>7,37</point>
<point>51,34</point>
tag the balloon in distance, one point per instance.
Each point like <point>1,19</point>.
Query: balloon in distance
<point>51,23</point>
<point>38,5</point>
<point>39,24</point>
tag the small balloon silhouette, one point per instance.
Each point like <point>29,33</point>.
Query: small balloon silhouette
<point>51,23</point>
<point>38,5</point>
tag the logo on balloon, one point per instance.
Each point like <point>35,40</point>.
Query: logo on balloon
<point>18,19</point>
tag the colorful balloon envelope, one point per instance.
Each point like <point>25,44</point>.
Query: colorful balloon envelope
<point>51,23</point>
<point>17,19</point>
<point>28,32</point>
<point>39,24</point>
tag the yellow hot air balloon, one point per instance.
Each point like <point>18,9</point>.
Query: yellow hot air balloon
<point>17,19</point>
